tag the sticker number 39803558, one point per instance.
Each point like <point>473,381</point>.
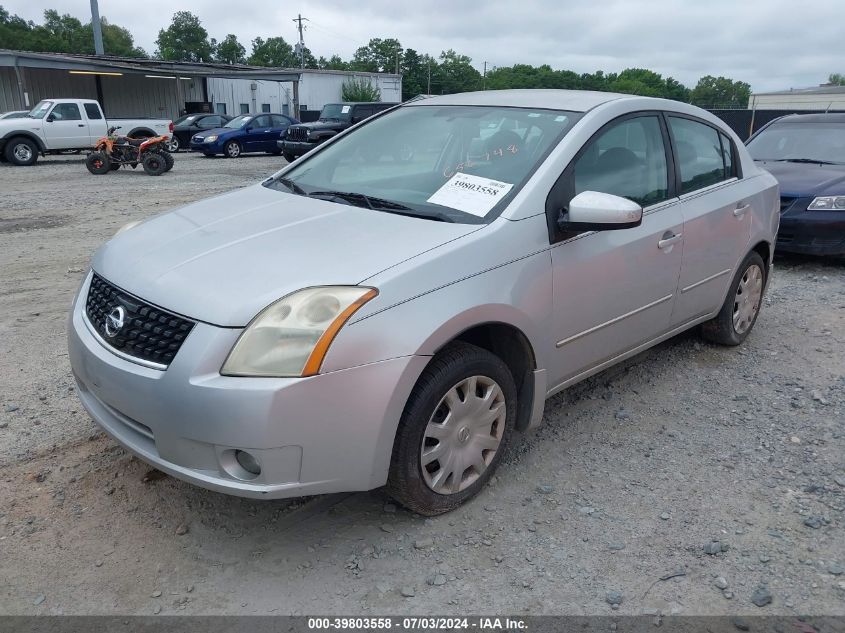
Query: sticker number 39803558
<point>471,194</point>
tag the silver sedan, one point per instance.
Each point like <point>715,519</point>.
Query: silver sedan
<point>389,308</point>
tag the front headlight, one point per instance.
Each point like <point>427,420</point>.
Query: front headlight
<point>827,203</point>
<point>290,337</point>
<point>211,139</point>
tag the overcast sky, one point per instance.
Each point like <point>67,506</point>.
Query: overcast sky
<point>771,44</point>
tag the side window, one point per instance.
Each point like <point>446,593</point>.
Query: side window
<point>362,113</point>
<point>699,154</point>
<point>212,121</point>
<point>628,160</point>
<point>279,120</point>
<point>261,121</point>
<point>66,112</point>
<point>93,111</point>
<point>728,155</point>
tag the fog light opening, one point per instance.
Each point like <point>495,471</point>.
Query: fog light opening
<point>248,462</point>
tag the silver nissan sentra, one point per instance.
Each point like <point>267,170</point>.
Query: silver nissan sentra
<point>391,307</point>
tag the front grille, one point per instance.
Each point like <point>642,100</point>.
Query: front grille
<point>148,333</point>
<point>786,202</point>
<point>298,134</point>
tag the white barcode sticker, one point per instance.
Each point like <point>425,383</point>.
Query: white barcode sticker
<point>471,194</point>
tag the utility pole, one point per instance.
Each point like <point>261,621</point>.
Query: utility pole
<point>98,31</point>
<point>300,19</point>
<point>484,78</point>
<point>428,92</point>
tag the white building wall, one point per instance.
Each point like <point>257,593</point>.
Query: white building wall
<point>798,102</point>
<point>315,90</point>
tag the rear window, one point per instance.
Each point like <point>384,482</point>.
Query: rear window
<point>93,111</point>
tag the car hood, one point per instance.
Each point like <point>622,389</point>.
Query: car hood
<point>224,259</point>
<point>323,125</point>
<point>219,131</point>
<point>21,123</point>
<point>807,179</point>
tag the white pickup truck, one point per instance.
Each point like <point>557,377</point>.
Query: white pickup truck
<point>56,125</point>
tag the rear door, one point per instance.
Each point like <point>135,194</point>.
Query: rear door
<point>716,205</point>
<point>614,290</point>
<point>97,126</point>
<point>65,127</point>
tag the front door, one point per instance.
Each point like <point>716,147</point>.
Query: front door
<point>64,127</point>
<point>261,135</point>
<point>717,216</point>
<point>614,290</point>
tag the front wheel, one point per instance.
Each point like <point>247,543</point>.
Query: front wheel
<point>289,157</point>
<point>154,164</point>
<point>168,160</point>
<point>453,431</point>
<point>739,312</point>
<point>232,149</point>
<point>21,151</point>
<point>98,163</point>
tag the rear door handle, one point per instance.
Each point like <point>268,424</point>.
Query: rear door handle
<point>80,125</point>
<point>740,210</point>
<point>669,239</point>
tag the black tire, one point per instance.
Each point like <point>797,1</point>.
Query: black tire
<point>154,164</point>
<point>722,329</point>
<point>289,157</point>
<point>168,159</point>
<point>98,163</point>
<point>232,149</point>
<point>21,151</point>
<point>275,152</point>
<point>459,361</point>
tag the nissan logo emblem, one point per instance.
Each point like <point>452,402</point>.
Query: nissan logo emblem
<point>114,321</point>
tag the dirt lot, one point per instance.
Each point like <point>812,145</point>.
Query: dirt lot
<point>693,480</point>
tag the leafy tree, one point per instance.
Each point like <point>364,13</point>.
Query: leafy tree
<point>274,51</point>
<point>359,89</point>
<point>837,79</point>
<point>230,51</point>
<point>720,92</point>
<point>456,74</point>
<point>332,63</point>
<point>184,40</point>
<point>378,56</point>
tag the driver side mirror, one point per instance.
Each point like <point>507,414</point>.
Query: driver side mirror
<point>51,118</point>
<point>595,211</point>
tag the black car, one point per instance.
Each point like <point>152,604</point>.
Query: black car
<point>186,126</point>
<point>806,153</point>
<point>334,118</point>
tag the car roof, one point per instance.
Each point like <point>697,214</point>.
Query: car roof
<point>826,117</point>
<point>571,100</point>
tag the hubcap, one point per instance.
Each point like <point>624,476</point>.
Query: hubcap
<point>234,150</point>
<point>463,435</point>
<point>22,152</point>
<point>747,300</point>
<point>173,144</point>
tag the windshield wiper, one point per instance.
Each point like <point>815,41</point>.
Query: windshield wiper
<point>290,184</point>
<point>380,204</point>
<point>815,161</point>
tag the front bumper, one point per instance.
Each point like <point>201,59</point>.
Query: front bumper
<point>812,233</point>
<point>207,148</point>
<point>297,148</point>
<point>329,433</point>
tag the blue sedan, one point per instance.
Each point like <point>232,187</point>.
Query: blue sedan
<point>246,133</point>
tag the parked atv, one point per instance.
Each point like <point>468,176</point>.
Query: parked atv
<point>113,151</point>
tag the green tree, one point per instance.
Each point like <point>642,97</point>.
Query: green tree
<point>335,62</point>
<point>359,89</point>
<point>230,51</point>
<point>274,51</point>
<point>185,40</point>
<point>720,92</point>
<point>378,56</point>
<point>455,73</point>
<point>837,79</point>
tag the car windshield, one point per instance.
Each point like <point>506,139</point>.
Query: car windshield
<point>40,110</point>
<point>449,163</point>
<point>186,118</point>
<point>336,111</point>
<point>238,122</point>
<point>817,141</point>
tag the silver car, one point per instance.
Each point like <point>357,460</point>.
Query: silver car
<point>389,308</point>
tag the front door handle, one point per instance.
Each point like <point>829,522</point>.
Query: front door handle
<point>669,239</point>
<point>80,125</point>
<point>741,209</point>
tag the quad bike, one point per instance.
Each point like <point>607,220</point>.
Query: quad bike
<point>113,151</point>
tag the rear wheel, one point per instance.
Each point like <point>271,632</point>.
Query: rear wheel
<point>98,163</point>
<point>172,144</point>
<point>21,151</point>
<point>455,427</point>
<point>168,159</point>
<point>232,149</point>
<point>739,312</point>
<point>154,164</point>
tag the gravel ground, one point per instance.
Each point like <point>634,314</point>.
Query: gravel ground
<point>691,480</point>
